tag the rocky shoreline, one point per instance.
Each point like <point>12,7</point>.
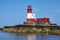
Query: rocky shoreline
<point>48,30</point>
<point>1,29</point>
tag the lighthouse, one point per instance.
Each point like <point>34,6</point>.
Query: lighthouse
<point>31,20</point>
<point>30,15</point>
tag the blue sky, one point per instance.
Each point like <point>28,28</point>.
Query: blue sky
<point>13,12</point>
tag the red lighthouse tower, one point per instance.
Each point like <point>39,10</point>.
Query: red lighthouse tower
<point>30,15</point>
<point>29,9</point>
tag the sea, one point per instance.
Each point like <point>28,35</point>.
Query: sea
<point>16,36</point>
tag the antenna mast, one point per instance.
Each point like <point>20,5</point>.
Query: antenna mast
<point>28,2</point>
